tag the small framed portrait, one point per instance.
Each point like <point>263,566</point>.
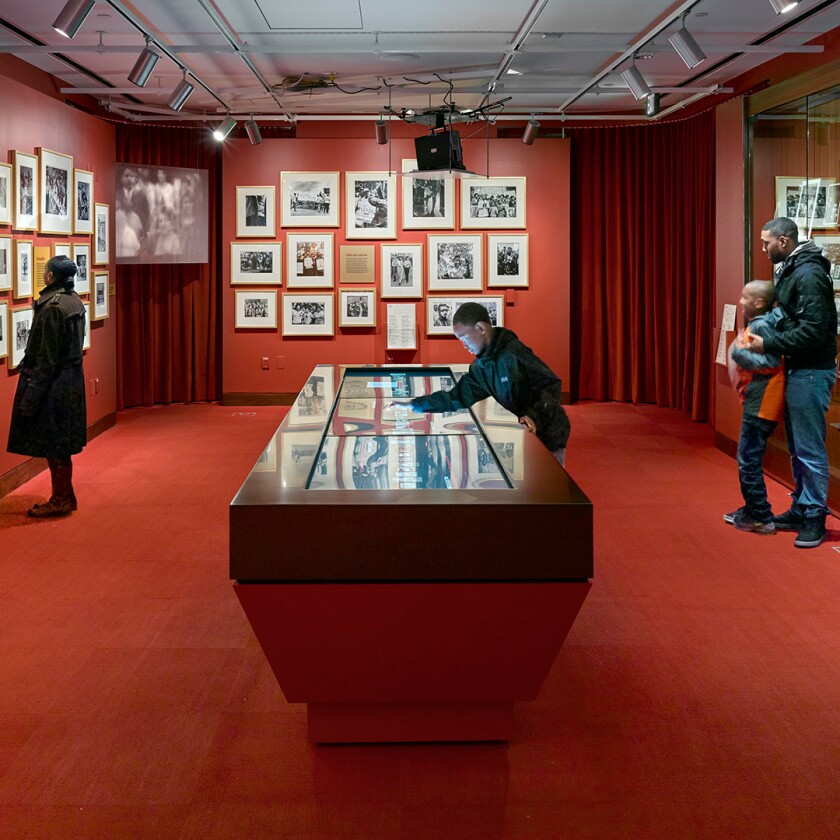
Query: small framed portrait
<point>6,262</point>
<point>5,194</point>
<point>439,311</point>
<point>496,203</point>
<point>99,296</point>
<point>56,204</point>
<point>427,203</point>
<point>371,202</point>
<point>309,199</point>
<point>255,263</point>
<point>82,201</point>
<point>402,271</point>
<point>20,326</point>
<point>357,308</point>
<point>24,268</point>
<point>86,341</point>
<point>4,330</point>
<point>25,193</point>
<point>81,256</point>
<point>102,234</point>
<point>507,260</point>
<point>455,263</point>
<point>308,314</point>
<point>255,212</point>
<point>310,261</point>
<point>256,309</point>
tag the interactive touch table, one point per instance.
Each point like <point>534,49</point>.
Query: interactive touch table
<point>409,576</point>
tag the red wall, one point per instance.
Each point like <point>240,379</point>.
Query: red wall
<point>37,118</point>
<point>539,314</point>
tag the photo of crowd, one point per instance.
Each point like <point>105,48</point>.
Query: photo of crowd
<point>310,258</point>
<point>309,198</point>
<point>455,260</point>
<point>371,204</point>
<point>492,202</point>
<point>56,191</point>
<point>309,312</point>
<point>255,307</point>
<point>507,259</point>
<point>256,262</point>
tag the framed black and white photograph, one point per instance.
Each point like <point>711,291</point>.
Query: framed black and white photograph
<point>4,330</point>
<point>507,260</point>
<point>309,199</point>
<point>256,309</point>
<point>86,341</point>
<point>439,311</point>
<point>5,194</point>
<point>308,314</point>
<point>62,249</point>
<point>102,234</point>
<point>81,256</point>
<point>6,262</point>
<point>20,325</point>
<point>455,263</point>
<point>25,193</point>
<point>497,203</point>
<point>82,201</point>
<point>427,203</point>
<point>253,263</point>
<point>371,205</point>
<point>56,204</point>
<point>314,402</point>
<point>24,268</point>
<point>255,212</point>
<point>357,308</point>
<point>310,261</point>
<point>402,271</point>
<point>99,296</point>
<point>811,203</point>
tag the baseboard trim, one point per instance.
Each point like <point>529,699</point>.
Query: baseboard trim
<point>256,398</point>
<point>22,473</point>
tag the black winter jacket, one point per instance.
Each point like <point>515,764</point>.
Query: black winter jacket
<point>807,333</point>
<point>518,379</point>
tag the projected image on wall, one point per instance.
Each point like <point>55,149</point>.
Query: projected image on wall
<point>161,214</point>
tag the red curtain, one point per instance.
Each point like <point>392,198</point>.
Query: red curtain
<point>169,341</point>
<point>643,263</point>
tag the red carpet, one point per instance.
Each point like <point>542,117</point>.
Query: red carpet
<point>698,694</point>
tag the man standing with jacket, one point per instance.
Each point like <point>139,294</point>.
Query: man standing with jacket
<point>807,338</point>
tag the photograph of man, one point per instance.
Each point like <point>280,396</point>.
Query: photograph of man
<point>255,210</point>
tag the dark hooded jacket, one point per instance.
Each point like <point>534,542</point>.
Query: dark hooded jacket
<point>49,418</point>
<point>807,332</point>
<point>518,379</point>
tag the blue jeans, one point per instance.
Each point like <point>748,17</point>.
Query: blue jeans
<point>755,432</point>
<point>807,395</point>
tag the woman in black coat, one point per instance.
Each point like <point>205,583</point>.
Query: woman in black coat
<point>49,417</point>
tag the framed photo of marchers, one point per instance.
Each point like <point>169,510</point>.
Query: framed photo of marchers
<point>371,203</point>
<point>255,263</point>
<point>25,193</point>
<point>6,274</point>
<point>440,309</point>
<point>309,199</point>
<point>20,327</point>
<point>255,212</point>
<point>308,314</point>
<point>455,263</point>
<point>427,203</point>
<point>256,309</point>
<point>102,234</point>
<point>82,201</point>
<point>4,330</point>
<point>99,297</point>
<point>507,260</point>
<point>86,341</point>
<point>402,271</point>
<point>357,308</point>
<point>56,204</point>
<point>5,194</point>
<point>310,261</point>
<point>493,203</point>
<point>81,256</point>
<point>24,268</point>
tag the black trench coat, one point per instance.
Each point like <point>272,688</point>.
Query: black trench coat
<point>49,416</point>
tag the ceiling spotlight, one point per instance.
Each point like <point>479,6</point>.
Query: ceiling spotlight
<point>381,131</point>
<point>530,133</point>
<point>143,67</point>
<point>224,128</point>
<point>782,6</point>
<point>636,82</point>
<point>179,96</point>
<point>687,48</point>
<point>253,132</point>
<point>72,17</point>
<point>652,104</point>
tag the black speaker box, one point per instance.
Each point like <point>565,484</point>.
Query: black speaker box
<point>439,151</point>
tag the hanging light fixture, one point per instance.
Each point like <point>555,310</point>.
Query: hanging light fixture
<point>143,67</point>
<point>381,131</point>
<point>780,7</point>
<point>253,132</point>
<point>687,48</point>
<point>652,104</point>
<point>635,81</point>
<point>179,96</point>
<point>72,17</point>
<point>530,133</point>
<point>224,128</point>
